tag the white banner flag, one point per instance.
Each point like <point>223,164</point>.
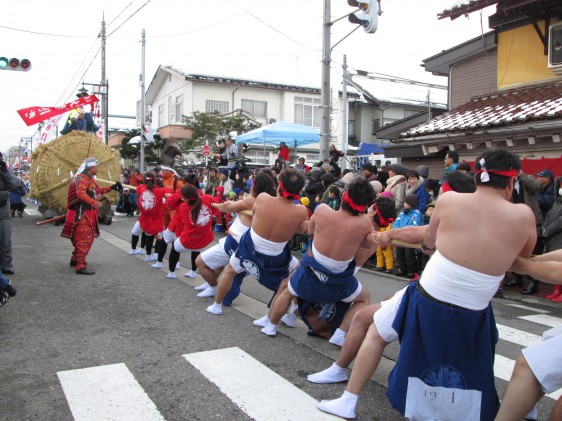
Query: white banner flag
<point>49,130</point>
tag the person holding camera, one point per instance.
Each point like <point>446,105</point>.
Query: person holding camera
<point>8,182</point>
<point>81,225</point>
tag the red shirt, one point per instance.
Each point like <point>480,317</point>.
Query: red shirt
<point>151,207</point>
<point>284,153</point>
<point>197,234</point>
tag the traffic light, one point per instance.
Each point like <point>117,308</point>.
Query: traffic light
<point>15,64</point>
<point>368,16</point>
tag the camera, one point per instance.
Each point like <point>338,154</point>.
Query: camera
<point>6,293</point>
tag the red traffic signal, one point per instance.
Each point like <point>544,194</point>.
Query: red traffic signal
<point>15,64</point>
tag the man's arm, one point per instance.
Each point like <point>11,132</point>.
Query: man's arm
<point>230,206</point>
<point>549,271</point>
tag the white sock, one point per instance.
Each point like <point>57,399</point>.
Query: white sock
<point>215,308</point>
<point>157,265</point>
<point>171,275</point>
<point>289,319</point>
<point>357,269</point>
<point>209,292</point>
<point>261,322</point>
<point>202,287</point>
<point>270,329</point>
<point>333,374</point>
<point>337,338</point>
<point>343,407</point>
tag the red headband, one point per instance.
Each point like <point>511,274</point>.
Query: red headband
<point>446,187</point>
<point>359,208</point>
<point>505,173</point>
<point>383,222</point>
<point>286,194</point>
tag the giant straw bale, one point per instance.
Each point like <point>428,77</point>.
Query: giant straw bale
<point>55,163</point>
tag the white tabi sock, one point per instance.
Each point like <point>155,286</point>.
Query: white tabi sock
<point>357,269</point>
<point>171,275</point>
<point>343,407</point>
<point>209,292</point>
<point>261,322</point>
<point>337,338</point>
<point>333,374</point>
<point>215,308</point>
<point>202,287</point>
<point>270,329</point>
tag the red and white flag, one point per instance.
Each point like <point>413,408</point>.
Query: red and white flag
<point>34,115</point>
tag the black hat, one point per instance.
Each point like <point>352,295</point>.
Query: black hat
<point>369,167</point>
<point>546,173</point>
<point>412,200</point>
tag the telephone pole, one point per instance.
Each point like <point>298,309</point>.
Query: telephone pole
<point>104,101</point>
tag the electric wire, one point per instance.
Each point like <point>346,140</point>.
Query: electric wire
<point>130,16</point>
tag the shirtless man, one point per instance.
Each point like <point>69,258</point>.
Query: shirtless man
<point>445,321</point>
<point>363,319</point>
<point>326,273</point>
<point>264,251</point>
<point>212,261</point>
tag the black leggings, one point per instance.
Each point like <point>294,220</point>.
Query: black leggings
<point>174,258</point>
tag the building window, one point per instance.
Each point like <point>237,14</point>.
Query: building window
<point>161,121</point>
<point>312,157</point>
<point>258,156</point>
<point>408,113</point>
<point>179,108</point>
<point>221,107</point>
<point>351,128</point>
<point>171,118</point>
<point>308,111</point>
<point>257,109</point>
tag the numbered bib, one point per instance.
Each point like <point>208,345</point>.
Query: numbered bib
<point>426,403</point>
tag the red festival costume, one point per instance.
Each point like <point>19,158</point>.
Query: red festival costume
<point>81,224</point>
<point>151,206</point>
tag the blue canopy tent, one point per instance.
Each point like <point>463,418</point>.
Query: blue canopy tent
<point>273,134</point>
<point>365,150</point>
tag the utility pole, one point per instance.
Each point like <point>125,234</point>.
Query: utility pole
<point>104,101</point>
<point>325,128</point>
<point>142,105</point>
<point>345,107</point>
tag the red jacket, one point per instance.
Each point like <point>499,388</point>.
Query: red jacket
<point>151,207</point>
<point>197,234</point>
<point>284,153</point>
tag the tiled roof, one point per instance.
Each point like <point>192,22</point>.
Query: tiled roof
<point>462,7</point>
<point>532,103</point>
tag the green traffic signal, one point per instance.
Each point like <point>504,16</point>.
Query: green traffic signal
<point>15,64</point>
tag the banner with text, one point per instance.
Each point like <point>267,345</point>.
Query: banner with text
<point>34,115</point>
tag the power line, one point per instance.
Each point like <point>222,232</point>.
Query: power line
<point>125,21</point>
<point>120,13</point>
<point>44,33</point>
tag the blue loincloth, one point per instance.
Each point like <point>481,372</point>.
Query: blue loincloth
<point>446,347</point>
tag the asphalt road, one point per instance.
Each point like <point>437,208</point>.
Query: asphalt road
<point>131,316</point>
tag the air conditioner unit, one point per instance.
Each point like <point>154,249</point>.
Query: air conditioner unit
<point>555,48</point>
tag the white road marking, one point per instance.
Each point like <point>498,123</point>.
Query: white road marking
<point>258,391</point>
<point>517,336</point>
<point>543,319</point>
<point>534,310</point>
<point>108,392</point>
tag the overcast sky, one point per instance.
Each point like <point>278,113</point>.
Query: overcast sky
<point>266,40</point>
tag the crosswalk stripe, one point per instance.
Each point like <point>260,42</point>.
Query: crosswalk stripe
<point>258,391</point>
<point>517,336</point>
<point>543,319</point>
<point>107,392</point>
<point>533,309</point>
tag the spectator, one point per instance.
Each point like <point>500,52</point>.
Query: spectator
<point>377,187</point>
<point>423,171</point>
<point>301,165</point>
<point>230,154</point>
<point>333,200</point>
<point>315,186</point>
<point>396,184</point>
<point>8,182</point>
<point>546,194</point>
<point>416,186</point>
<point>551,231</point>
<point>525,189</point>
<point>369,171</point>
<point>136,178</point>
<point>335,155</point>
<point>451,162</point>
<point>127,203</point>
<point>284,154</point>
<point>463,167</point>
<point>406,261</point>
<point>384,216</point>
<point>225,182</point>
<point>327,180</point>
<point>432,187</point>
<point>16,202</point>
<point>382,175</point>
<point>211,181</point>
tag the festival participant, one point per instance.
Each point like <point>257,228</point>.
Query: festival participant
<point>213,260</point>
<point>264,250</point>
<point>82,205</point>
<point>197,222</point>
<point>326,272</point>
<point>537,370</point>
<point>445,322</point>
<point>150,203</point>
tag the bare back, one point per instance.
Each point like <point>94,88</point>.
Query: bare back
<point>482,231</point>
<point>338,234</point>
<point>276,218</point>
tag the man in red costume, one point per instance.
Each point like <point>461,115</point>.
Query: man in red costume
<point>81,224</point>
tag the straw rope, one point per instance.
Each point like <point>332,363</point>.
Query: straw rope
<point>55,164</point>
